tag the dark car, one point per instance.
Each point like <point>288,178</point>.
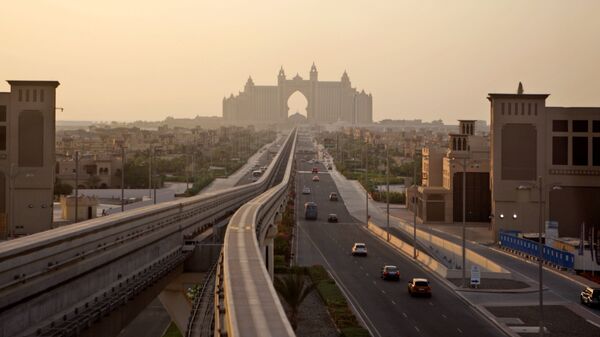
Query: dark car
<point>419,286</point>
<point>390,273</point>
<point>315,170</point>
<point>332,218</point>
<point>590,296</point>
<point>333,196</point>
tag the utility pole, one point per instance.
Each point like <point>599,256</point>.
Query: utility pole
<point>464,230</point>
<point>123,178</point>
<point>414,201</point>
<point>150,172</point>
<point>387,195</point>
<point>76,184</point>
<point>541,256</point>
<point>155,169</point>
<point>367,182</point>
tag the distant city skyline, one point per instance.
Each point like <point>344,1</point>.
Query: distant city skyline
<point>421,60</point>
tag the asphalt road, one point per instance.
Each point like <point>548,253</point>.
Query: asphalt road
<point>384,306</point>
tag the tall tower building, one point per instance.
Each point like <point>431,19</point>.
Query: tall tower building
<point>27,159</point>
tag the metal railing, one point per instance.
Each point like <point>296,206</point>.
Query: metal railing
<point>202,308</point>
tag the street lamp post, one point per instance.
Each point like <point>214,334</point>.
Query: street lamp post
<point>76,185</point>
<point>464,222</point>
<point>123,177</point>
<point>414,201</point>
<point>541,256</point>
<point>387,196</point>
<point>367,182</point>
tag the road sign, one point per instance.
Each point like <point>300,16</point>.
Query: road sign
<point>475,275</point>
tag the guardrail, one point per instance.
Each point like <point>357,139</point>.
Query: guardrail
<point>246,301</point>
<point>553,256</point>
<point>95,255</point>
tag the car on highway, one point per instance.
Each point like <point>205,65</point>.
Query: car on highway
<point>590,296</point>
<point>359,249</point>
<point>316,178</point>
<point>315,170</point>
<point>306,190</point>
<point>332,217</point>
<point>333,196</point>
<point>329,167</point>
<point>419,286</point>
<point>310,211</point>
<point>389,272</point>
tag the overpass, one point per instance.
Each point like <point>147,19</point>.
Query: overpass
<point>80,279</point>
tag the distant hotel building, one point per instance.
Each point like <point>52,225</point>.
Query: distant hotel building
<point>560,145</point>
<point>328,101</point>
<point>27,132</point>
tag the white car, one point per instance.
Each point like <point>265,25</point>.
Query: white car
<point>306,190</point>
<point>359,249</point>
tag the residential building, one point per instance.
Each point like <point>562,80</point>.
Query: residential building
<point>27,137</point>
<point>559,145</point>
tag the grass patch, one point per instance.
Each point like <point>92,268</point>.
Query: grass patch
<point>172,331</point>
<point>336,303</point>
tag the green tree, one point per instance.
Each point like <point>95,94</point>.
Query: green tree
<point>293,288</point>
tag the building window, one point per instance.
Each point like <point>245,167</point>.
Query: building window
<point>529,109</point>
<point>2,113</point>
<point>535,109</point>
<point>41,95</point>
<point>516,108</point>
<point>2,137</point>
<point>580,151</point>
<point>502,107</point>
<point>31,139</point>
<point>560,126</point>
<point>27,95</point>
<point>560,151</point>
<point>522,108</point>
<point>596,126</point>
<point>580,126</point>
<point>509,108</point>
<point>20,95</point>
<point>34,95</point>
<point>596,151</point>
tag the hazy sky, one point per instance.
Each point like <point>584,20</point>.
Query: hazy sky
<point>134,59</point>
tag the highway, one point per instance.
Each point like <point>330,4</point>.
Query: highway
<point>385,307</point>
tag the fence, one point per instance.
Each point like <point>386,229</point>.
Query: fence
<point>554,256</point>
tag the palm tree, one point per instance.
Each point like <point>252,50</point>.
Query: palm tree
<point>293,289</point>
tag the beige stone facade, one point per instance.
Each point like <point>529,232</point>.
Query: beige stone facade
<point>530,140</point>
<point>328,101</point>
<point>27,137</point>
<point>439,199</point>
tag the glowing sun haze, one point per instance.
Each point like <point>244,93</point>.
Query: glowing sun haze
<point>129,60</point>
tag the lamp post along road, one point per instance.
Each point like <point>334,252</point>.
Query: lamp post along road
<point>123,178</point>
<point>414,201</point>
<point>367,183</point>
<point>387,196</point>
<point>76,184</point>
<point>464,220</point>
<point>541,256</point>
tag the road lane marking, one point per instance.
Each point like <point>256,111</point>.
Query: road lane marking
<point>383,291</point>
<point>360,266</point>
<point>431,304</point>
<point>405,315</point>
<point>374,282</point>
<point>394,303</point>
<point>459,330</point>
<point>417,328</point>
<point>444,316</point>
